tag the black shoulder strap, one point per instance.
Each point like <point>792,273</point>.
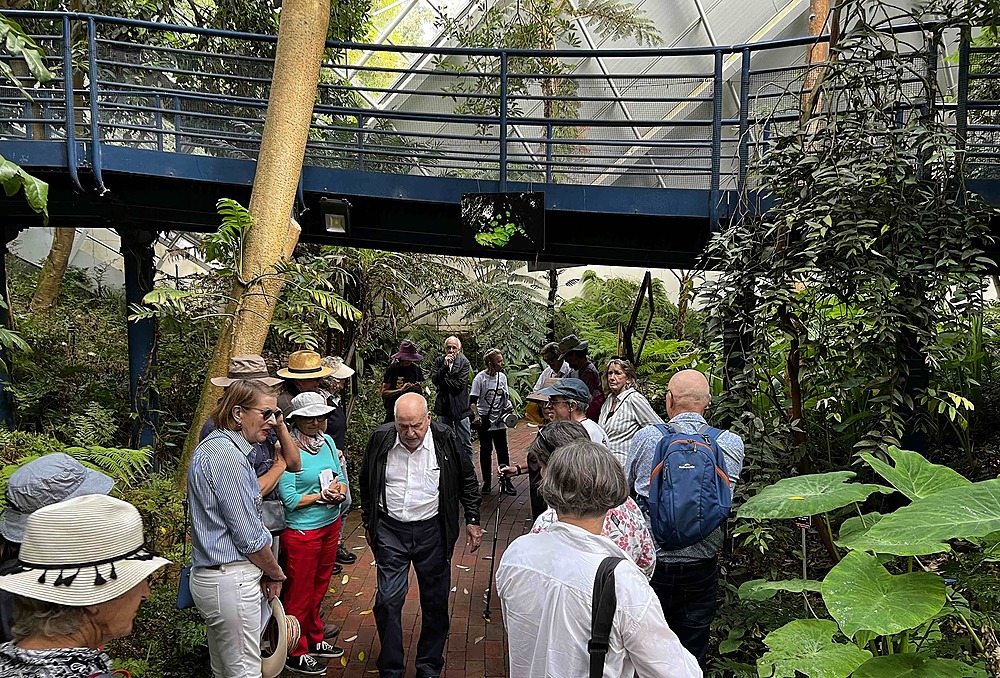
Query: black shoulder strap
<point>602,614</point>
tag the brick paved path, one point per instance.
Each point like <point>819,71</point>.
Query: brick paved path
<point>474,649</point>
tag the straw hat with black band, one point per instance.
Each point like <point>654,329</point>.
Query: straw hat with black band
<point>305,365</point>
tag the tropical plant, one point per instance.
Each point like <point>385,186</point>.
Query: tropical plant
<point>887,594</point>
<point>543,25</point>
<point>603,309</point>
<point>16,44</point>
<point>841,299</point>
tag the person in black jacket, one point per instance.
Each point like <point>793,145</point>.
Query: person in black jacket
<point>451,376</point>
<point>413,479</point>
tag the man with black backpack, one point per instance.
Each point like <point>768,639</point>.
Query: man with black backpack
<point>683,474</point>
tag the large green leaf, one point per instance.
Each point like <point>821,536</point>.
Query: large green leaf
<point>805,646</point>
<point>916,666</point>
<point>913,475</point>
<point>762,589</point>
<point>858,525</point>
<point>926,525</point>
<point>807,495</point>
<point>862,595</point>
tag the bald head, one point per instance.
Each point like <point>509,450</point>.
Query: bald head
<point>412,419</point>
<point>688,391</point>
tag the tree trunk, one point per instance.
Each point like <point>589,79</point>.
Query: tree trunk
<point>819,11</point>
<point>47,290</point>
<point>273,236</point>
<point>553,291</point>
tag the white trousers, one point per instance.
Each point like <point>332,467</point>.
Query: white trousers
<point>229,599</point>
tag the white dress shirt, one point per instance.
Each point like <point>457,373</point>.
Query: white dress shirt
<point>549,373</point>
<point>412,481</point>
<point>545,583</point>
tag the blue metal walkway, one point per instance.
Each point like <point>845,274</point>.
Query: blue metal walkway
<point>640,153</point>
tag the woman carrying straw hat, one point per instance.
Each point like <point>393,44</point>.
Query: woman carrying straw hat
<point>231,555</point>
<point>81,573</point>
<point>312,501</point>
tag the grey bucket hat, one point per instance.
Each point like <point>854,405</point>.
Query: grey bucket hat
<point>44,481</point>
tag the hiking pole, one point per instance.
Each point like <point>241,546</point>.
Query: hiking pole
<point>493,558</point>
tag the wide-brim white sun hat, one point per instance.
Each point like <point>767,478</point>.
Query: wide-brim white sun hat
<point>83,551</point>
<point>309,404</point>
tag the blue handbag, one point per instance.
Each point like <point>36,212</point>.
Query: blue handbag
<point>184,599</point>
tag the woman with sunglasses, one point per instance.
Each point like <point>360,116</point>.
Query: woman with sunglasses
<point>231,555</point>
<point>312,498</point>
<point>626,411</point>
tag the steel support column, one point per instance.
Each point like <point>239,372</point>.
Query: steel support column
<point>137,248</point>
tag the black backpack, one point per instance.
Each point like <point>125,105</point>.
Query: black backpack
<point>602,614</point>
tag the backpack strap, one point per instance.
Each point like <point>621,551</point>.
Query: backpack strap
<point>602,614</point>
<point>665,429</point>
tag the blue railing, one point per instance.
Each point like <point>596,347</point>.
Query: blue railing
<point>675,118</point>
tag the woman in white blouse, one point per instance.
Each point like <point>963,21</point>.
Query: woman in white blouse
<point>626,411</point>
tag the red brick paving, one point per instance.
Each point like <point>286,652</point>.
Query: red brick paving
<point>475,649</point>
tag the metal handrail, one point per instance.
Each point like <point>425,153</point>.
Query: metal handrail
<point>499,123</point>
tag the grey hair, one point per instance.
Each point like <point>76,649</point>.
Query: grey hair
<point>583,480</point>
<point>447,339</point>
<point>395,405</point>
<point>579,405</point>
<point>553,436</point>
<point>38,618</point>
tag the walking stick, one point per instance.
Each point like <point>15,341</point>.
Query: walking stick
<point>493,558</point>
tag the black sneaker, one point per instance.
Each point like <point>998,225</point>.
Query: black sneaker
<point>344,556</point>
<point>325,649</point>
<point>507,487</point>
<point>486,488</point>
<point>305,664</point>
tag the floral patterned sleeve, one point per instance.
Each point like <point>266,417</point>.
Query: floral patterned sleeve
<point>626,527</point>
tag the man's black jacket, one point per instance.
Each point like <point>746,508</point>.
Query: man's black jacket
<point>457,483</point>
<point>452,387</point>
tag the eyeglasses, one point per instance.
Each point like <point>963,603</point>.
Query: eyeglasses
<point>557,402</point>
<point>547,444</point>
<point>267,414</point>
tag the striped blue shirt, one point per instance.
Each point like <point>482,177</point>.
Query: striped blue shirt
<point>225,501</point>
<point>639,466</point>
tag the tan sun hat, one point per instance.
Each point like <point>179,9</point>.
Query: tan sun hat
<point>250,367</point>
<point>340,369</point>
<point>274,644</point>
<point>82,551</point>
<point>305,365</point>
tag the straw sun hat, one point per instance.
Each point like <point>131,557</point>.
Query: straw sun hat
<point>83,551</point>
<point>304,365</point>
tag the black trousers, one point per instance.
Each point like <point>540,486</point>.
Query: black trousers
<point>689,596</point>
<point>488,441</point>
<point>397,544</point>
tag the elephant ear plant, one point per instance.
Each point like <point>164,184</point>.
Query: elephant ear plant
<point>884,595</point>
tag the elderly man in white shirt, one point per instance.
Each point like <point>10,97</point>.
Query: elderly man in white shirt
<point>413,480</point>
<point>545,582</point>
<point>555,366</point>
